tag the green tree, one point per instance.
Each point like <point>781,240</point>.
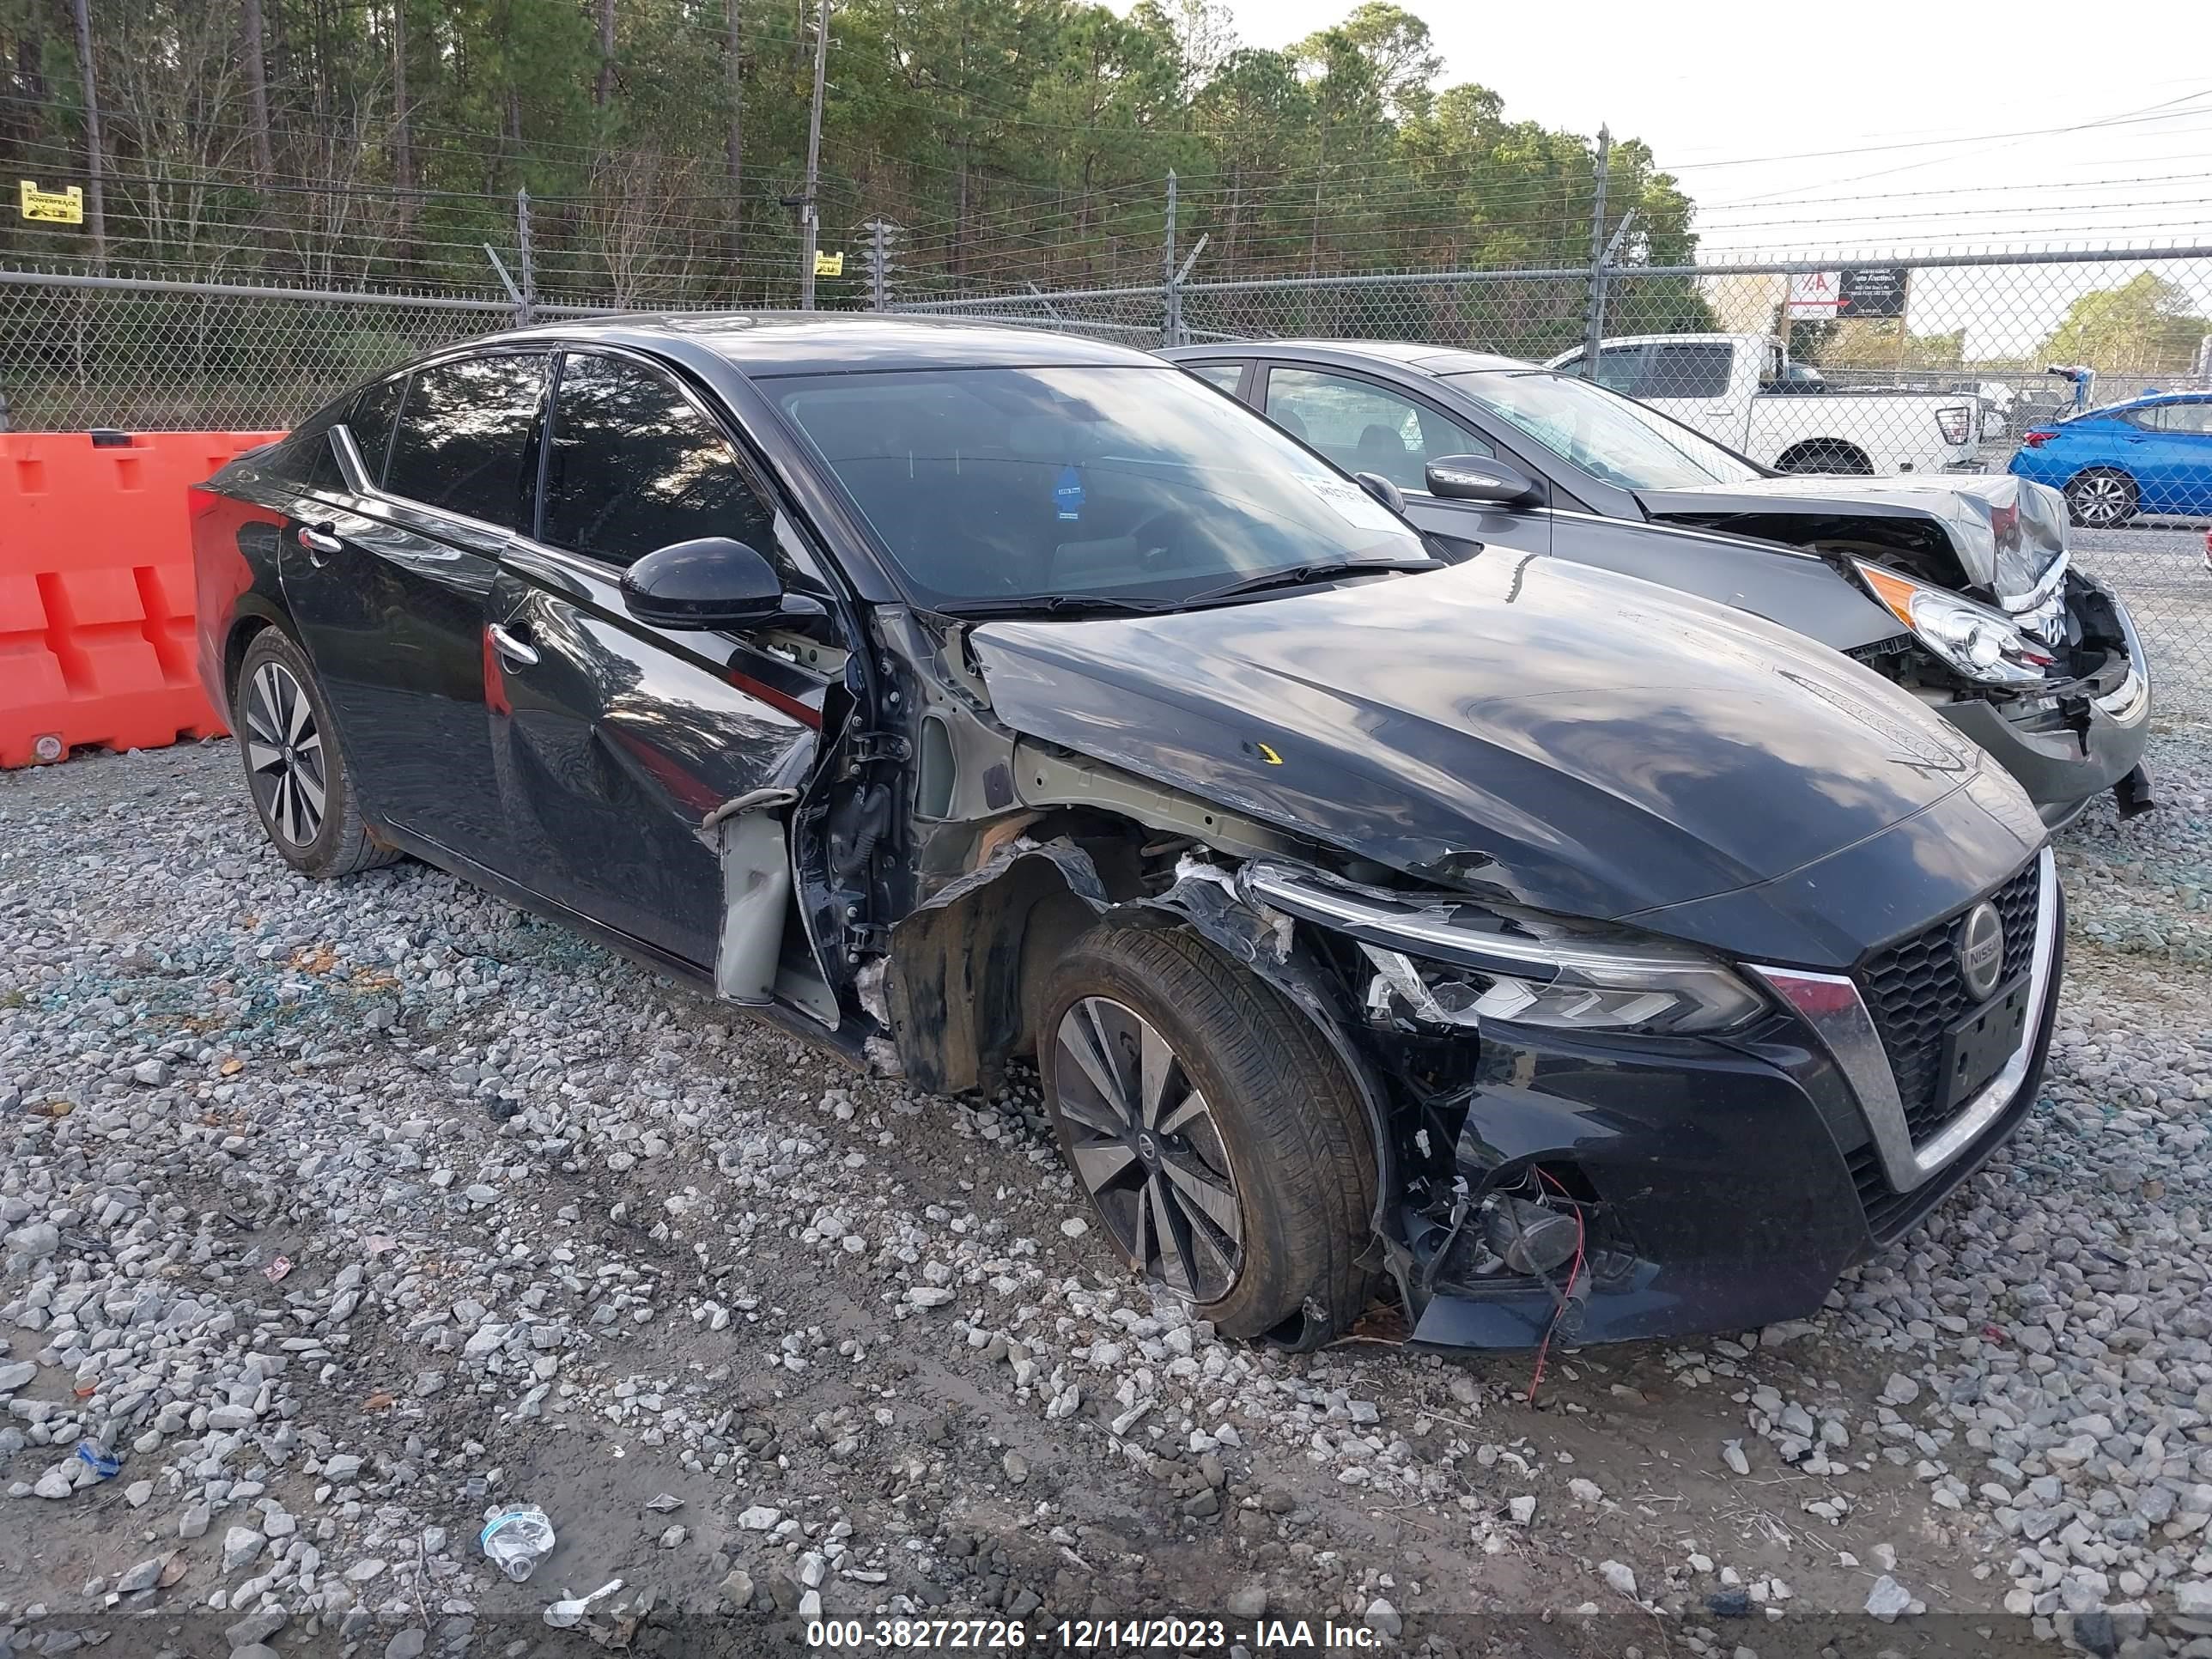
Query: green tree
<point>381,143</point>
<point>2144,326</point>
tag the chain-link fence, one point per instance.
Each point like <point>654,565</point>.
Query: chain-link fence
<point>2090,371</point>
<point>1825,366</point>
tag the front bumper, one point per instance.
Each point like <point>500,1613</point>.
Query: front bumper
<point>1726,1183</point>
<point>2067,750</point>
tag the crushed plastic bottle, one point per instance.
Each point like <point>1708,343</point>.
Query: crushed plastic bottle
<point>518,1539</point>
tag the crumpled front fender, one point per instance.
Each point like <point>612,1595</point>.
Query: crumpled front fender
<point>954,990</point>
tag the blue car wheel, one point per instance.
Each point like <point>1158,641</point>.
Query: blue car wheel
<point>2100,498</point>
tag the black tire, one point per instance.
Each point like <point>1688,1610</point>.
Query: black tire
<point>293,771</point>
<point>2101,498</point>
<point>1826,455</point>
<point>1282,1114</point>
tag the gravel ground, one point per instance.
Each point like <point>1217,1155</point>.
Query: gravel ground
<point>2158,568</point>
<point>340,1215</point>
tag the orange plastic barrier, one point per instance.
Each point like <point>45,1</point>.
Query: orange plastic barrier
<point>96,589</point>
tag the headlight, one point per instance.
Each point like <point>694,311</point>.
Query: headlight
<point>1954,423</point>
<point>1985,645</point>
<point>1454,962</point>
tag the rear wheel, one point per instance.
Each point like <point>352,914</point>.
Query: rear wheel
<point>293,769</point>
<point>2101,498</point>
<point>1222,1146</point>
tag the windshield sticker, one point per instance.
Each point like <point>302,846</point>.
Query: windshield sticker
<point>1068,494</point>
<point>1352,504</point>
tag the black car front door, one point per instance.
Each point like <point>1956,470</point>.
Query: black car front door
<point>622,747</point>
<point>389,591</point>
<point>1364,425</point>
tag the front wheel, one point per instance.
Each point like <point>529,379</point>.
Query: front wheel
<point>293,771</point>
<point>1223,1146</point>
<point>2102,498</point>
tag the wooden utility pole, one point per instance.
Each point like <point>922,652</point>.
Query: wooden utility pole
<point>810,213</point>
<point>95,147</point>
<point>402,130</point>
<point>257,90</point>
<point>604,88</point>
<point>733,68</point>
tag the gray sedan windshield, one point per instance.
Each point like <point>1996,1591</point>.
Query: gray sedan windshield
<point>1132,485</point>
<point>1612,437</point>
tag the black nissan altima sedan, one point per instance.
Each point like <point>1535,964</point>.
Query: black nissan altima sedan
<point>1553,952</point>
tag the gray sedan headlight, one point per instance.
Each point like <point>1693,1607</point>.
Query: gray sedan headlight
<point>1454,962</point>
<point>1986,646</point>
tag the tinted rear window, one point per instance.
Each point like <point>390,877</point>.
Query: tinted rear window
<point>464,435</point>
<point>305,456</point>
<point>370,422</point>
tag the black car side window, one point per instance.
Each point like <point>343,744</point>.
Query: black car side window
<point>463,436</point>
<point>634,466</point>
<point>374,413</point>
<point>304,456</point>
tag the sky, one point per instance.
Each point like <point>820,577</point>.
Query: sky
<point>1875,127</point>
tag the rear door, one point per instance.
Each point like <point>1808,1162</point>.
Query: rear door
<point>1367,425</point>
<point>389,590</point>
<point>617,742</point>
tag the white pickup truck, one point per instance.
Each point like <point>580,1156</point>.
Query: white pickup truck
<point>1743,391</point>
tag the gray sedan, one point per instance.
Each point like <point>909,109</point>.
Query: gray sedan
<point>1958,588</point>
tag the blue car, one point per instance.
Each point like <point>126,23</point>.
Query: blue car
<point>2152,454</point>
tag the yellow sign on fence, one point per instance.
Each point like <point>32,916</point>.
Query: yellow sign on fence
<point>830,265</point>
<point>53,207</point>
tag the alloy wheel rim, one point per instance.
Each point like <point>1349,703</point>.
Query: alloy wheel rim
<point>2102,500</point>
<point>284,755</point>
<point>1146,1148</point>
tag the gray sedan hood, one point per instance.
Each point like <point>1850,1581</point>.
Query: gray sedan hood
<point>2003,531</point>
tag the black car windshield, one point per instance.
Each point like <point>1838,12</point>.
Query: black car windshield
<point>1612,437</point>
<point>1133,484</point>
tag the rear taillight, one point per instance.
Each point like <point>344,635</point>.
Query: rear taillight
<point>1954,424</point>
<point>2037,439</point>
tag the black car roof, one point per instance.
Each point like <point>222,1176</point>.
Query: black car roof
<point>1429,359</point>
<point>768,344</point>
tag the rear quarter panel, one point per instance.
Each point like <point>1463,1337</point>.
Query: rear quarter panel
<point>235,552</point>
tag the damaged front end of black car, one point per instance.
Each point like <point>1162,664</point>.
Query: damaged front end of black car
<point>1665,994</point>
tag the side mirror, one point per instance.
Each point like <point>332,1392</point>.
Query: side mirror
<point>1382,489</point>
<point>709,583</point>
<point>1482,478</point>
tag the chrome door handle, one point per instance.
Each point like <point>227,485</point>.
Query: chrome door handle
<point>320,541</point>
<point>516,651</point>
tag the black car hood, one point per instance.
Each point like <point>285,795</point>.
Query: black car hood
<point>1577,740</point>
<point>1999,533</point>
